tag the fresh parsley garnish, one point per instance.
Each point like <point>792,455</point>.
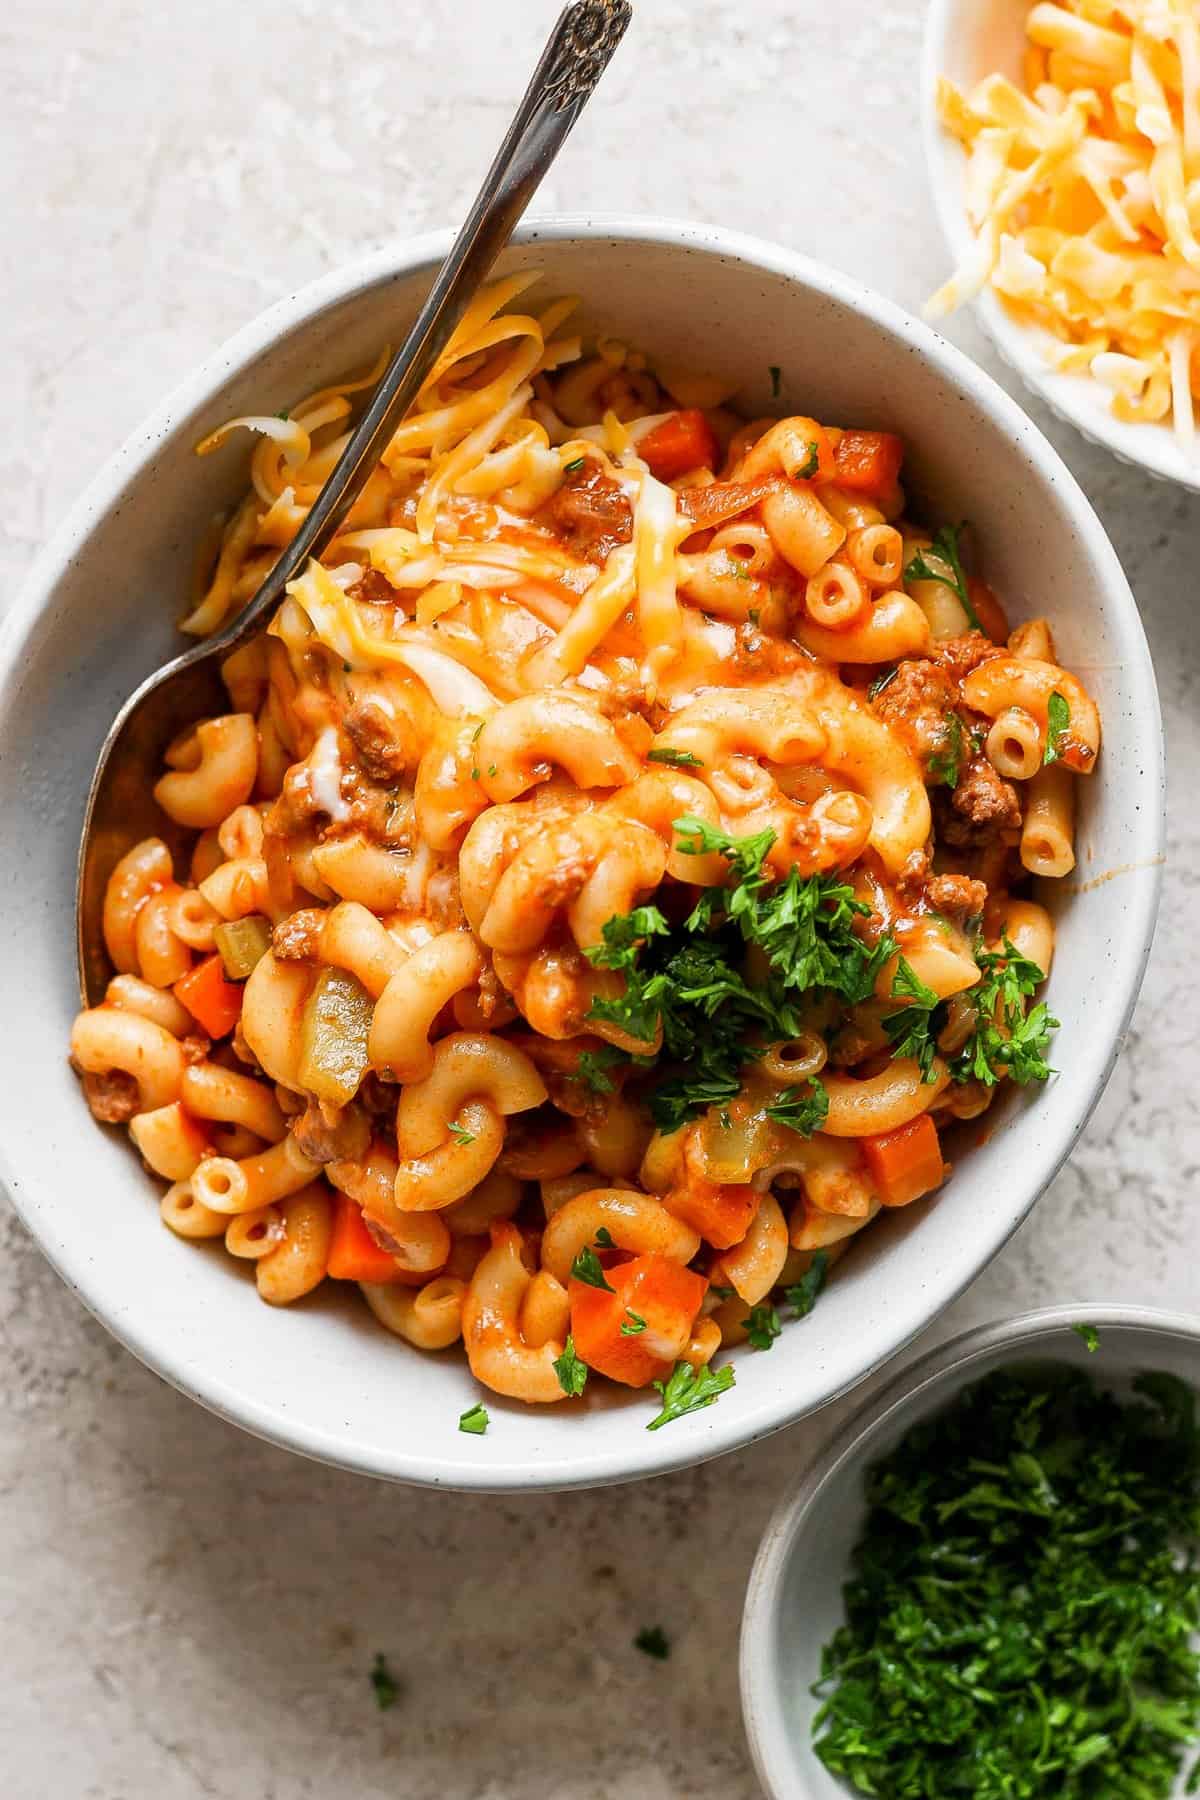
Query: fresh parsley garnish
<point>1006,1039</point>
<point>633,1324</point>
<point>1089,1334</point>
<point>459,1133</point>
<point>1058,717</point>
<point>604,1238</point>
<point>945,567</point>
<point>475,1420</point>
<point>685,996</point>
<point>283,415</point>
<point>803,1110</point>
<point>776,374</point>
<point>945,764</point>
<point>593,1066</point>
<point>1023,1600</point>
<point>762,1326</point>
<point>811,463</point>
<point>802,1295</point>
<point>676,759</point>
<point>913,1030</point>
<point>653,1641</point>
<point>882,681</point>
<point>572,1372</point>
<point>588,1269</point>
<point>387,1688</point>
<point>687,1390</point>
<point>573,467</point>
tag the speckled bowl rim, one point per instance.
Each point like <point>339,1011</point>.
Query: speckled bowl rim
<point>717,1430</point>
<point>947,1369</point>
<point>1077,399</point>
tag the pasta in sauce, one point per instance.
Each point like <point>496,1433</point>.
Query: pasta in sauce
<point>609,880</point>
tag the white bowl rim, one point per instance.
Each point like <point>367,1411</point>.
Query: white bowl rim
<point>766,1732</point>
<point>1149,446</point>
<point>724,1429</point>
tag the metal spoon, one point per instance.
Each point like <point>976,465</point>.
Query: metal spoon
<point>120,807</point>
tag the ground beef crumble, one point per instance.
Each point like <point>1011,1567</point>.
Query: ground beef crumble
<point>590,513</point>
<point>112,1096</point>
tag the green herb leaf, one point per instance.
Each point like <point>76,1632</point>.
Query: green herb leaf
<point>802,1296</point>
<point>942,561</point>
<point>633,1324</point>
<point>475,1420</point>
<point>913,1031</point>
<point>572,1372</point>
<point>653,1641</point>
<point>687,1390</point>
<point>1058,718</point>
<point>593,1065</point>
<point>676,759</point>
<point>1089,1334</point>
<point>604,1238</point>
<point>587,1268</point>
<point>1006,1038</point>
<point>882,681</point>
<point>387,1689</point>
<point>573,468</point>
<point>800,1110</point>
<point>945,764</point>
<point>811,463</point>
<point>459,1133</point>
<point>762,1326</point>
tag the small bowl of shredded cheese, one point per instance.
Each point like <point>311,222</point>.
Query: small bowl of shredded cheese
<point>1063,143</point>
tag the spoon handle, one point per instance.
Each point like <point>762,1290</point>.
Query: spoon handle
<point>577,53</point>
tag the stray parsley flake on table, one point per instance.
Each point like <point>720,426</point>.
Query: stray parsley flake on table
<point>387,1689</point>
<point>1023,1599</point>
<point>653,1641</point>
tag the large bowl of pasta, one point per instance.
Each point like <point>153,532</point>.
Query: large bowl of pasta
<point>658,905</point>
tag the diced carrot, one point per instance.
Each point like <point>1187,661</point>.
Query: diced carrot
<point>905,1163</point>
<point>353,1253</point>
<point>683,442</point>
<point>868,462</point>
<point>723,500</point>
<point>658,1300</point>
<point>720,1214</point>
<point>988,610</point>
<point>213,1002</point>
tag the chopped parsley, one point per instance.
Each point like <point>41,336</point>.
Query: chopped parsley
<point>573,468</point>
<point>459,1133</point>
<point>946,762</point>
<point>491,768</point>
<point>1058,717</point>
<point>633,1324</point>
<point>802,1295</point>
<point>572,1372</point>
<point>1089,1334</point>
<point>475,1420</point>
<point>946,567</point>
<point>913,1030</point>
<point>687,1390</point>
<point>811,463</point>
<point>476,732</point>
<point>762,1326</point>
<point>882,681</point>
<point>1006,1039</point>
<point>387,1688</point>
<point>1023,1601</point>
<point>283,415</point>
<point>776,374</point>
<point>676,759</point>
<point>802,1112</point>
<point>685,997</point>
<point>475,774</point>
<point>653,1641</point>
<point>593,1065</point>
<point>604,1238</point>
<point>587,1268</point>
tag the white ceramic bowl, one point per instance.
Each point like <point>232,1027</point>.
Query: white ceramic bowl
<point>966,40</point>
<point>97,613</point>
<point>794,1600</point>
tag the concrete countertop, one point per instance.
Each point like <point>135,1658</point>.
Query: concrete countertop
<point>185,1611</point>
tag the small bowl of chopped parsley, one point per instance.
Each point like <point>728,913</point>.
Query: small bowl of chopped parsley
<point>988,1586</point>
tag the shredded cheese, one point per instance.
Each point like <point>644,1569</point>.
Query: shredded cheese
<point>1084,196</point>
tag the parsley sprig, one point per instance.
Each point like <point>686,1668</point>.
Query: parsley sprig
<point>1021,1617</point>
<point>687,1390</point>
<point>913,1030</point>
<point>942,561</point>
<point>803,1110</point>
<point>1007,1039</point>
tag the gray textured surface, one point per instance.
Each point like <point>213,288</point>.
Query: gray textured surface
<point>184,1611</point>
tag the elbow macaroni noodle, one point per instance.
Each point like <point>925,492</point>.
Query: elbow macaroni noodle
<point>367,1029</point>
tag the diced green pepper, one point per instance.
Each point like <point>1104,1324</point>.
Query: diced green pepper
<point>242,944</point>
<point>333,1037</point>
